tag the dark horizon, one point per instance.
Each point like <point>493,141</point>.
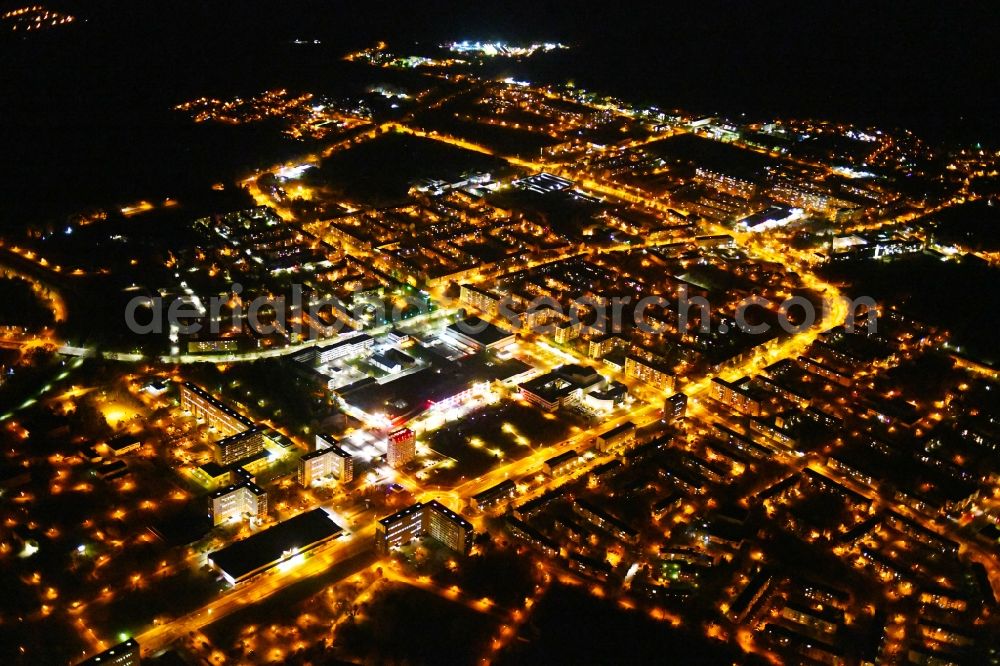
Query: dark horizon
<point>95,98</point>
<point>928,68</point>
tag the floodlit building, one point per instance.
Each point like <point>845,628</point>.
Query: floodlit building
<point>212,475</point>
<point>400,528</point>
<point>402,447</point>
<point>561,464</point>
<point>218,415</point>
<point>205,346</point>
<point>565,384</point>
<point>495,495</point>
<point>256,554</point>
<point>124,444</point>
<point>346,347</point>
<point>715,241</point>
<point>431,519</point>
<point>482,300</point>
<point>391,360</point>
<point>735,395</point>
<point>618,436</point>
<point>651,372</point>
<point>602,345</point>
<point>331,462</point>
<point>773,217</point>
<point>565,332</point>
<point>244,499</point>
<point>606,398</point>
<point>444,525</point>
<point>543,183</point>
<point>237,447</point>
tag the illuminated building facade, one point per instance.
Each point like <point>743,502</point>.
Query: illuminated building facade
<point>285,542</point>
<point>216,345</point>
<point>479,335</point>
<point>212,475</point>
<point>618,436</point>
<point>732,394</point>
<point>444,525</point>
<point>399,528</point>
<point>603,345</point>
<point>480,299</point>
<point>431,519</point>
<point>650,372</point>
<point>402,447</point>
<point>218,415</point>
<point>495,495</point>
<point>328,462</point>
<point>123,654</point>
<point>738,186</point>
<point>237,447</point>
<point>566,331</point>
<point>345,348</point>
<point>562,463</point>
<point>235,501</point>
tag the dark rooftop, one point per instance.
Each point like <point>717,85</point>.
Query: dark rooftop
<point>480,330</point>
<point>267,548</point>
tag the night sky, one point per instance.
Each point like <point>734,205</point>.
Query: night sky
<point>84,112</point>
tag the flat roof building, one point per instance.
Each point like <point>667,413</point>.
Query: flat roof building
<point>562,463</point>
<point>345,347</point>
<point>443,385</point>
<point>675,407</point>
<point>212,475</point>
<point>239,446</point>
<point>478,334</point>
<point>392,360</point>
<point>543,183</point>
<point>331,462</point>
<point>617,436</point>
<point>736,395</point>
<point>444,525</point>
<point>560,386</point>
<point>124,444</point>
<point>401,447</point>
<point>244,559</point>
<point>244,499</point>
<point>495,495</point>
<point>431,519</point>
<point>651,372</point>
<point>399,528</point>
<point>482,300</point>
<point>123,654</point>
<point>220,416</point>
<point>606,398</point>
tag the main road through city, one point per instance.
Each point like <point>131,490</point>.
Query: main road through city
<point>835,312</point>
<point>257,589</point>
<point>319,560</point>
